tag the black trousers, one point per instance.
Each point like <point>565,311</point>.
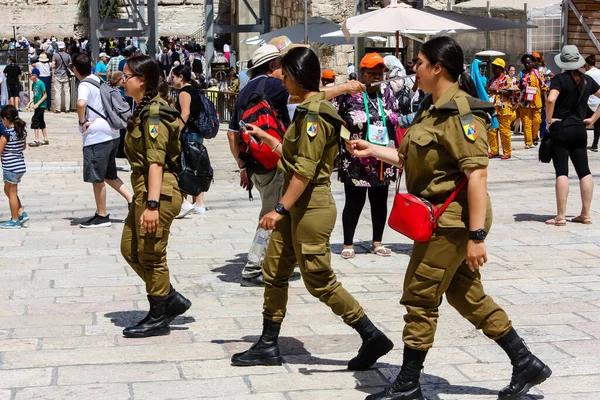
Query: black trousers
<point>355,201</point>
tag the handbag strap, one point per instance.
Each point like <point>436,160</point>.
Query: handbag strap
<point>449,200</point>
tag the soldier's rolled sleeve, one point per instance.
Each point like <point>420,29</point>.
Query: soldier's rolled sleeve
<point>156,148</point>
<point>470,155</point>
<point>310,149</point>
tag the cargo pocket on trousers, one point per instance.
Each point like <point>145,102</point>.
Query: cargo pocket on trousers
<point>315,255</point>
<point>426,281</point>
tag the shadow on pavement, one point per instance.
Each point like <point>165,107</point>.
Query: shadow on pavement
<point>532,217</point>
<point>232,271</point>
<point>124,319</point>
<point>77,221</point>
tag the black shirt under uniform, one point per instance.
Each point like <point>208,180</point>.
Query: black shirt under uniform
<point>12,72</point>
<point>195,105</point>
<point>275,91</point>
<point>569,94</point>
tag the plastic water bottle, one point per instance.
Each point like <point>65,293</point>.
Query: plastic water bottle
<point>259,245</point>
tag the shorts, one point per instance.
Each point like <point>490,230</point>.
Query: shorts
<point>99,161</point>
<point>14,90</point>
<point>37,121</point>
<point>12,177</point>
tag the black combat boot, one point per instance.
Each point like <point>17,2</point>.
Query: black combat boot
<point>156,323</point>
<point>176,304</point>
<point>406,386</point>
<point>375,344</point>
<point>263,352</point>
<point>528,370</point>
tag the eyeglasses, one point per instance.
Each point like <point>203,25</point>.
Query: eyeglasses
<point>127,76</point>
<point>374,74</point>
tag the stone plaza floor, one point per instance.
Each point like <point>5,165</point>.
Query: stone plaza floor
<point>67,293</point>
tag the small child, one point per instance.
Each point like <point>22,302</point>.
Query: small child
<point>12,144</point>
<point>39,106</point>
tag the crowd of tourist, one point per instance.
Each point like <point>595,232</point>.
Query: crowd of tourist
<point>292,126</point>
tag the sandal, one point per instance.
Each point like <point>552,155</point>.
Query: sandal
<point>556,222</point>
<point>348,253</point>
<point>34,144</point>
<point>381,251</point>
<point>45,142</point>
<point>581,220</point>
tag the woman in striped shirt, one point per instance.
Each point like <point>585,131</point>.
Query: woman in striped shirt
<point>12,144</point>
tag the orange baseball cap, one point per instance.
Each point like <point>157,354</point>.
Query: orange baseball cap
<point>371,60</point>
<point>537,55</point>
<point>328,74</point>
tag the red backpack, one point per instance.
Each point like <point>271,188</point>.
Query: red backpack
<point>258,157</point>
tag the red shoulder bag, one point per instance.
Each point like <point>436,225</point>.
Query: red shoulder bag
<point>414,217</point>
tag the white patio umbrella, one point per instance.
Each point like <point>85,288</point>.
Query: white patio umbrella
<point>398,18</point>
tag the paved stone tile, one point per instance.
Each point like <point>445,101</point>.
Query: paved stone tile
<point>97,391</point>
<point>182,389</point>
<point>117,373</point>
<point>107,355</point>
<point>25,377</point>
<point>68,293</point>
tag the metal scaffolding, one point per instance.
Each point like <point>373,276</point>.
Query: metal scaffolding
<point>262,25</point>
<point>138,18</point>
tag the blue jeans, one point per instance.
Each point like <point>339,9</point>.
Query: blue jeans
<point>12,177</point>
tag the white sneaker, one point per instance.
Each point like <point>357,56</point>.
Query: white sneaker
<point>186,208</point>
<point>200,210</point>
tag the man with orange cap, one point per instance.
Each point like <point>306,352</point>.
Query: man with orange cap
<point>371,115</point>
<point>328,78</point>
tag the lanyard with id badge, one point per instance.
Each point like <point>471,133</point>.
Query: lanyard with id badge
<point>376,134</point>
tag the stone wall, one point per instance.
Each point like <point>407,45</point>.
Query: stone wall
<point>290,12</point>
<point>61,17</point>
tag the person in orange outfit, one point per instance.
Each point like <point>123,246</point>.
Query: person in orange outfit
<point>531,96</point>
<point>501,90</point>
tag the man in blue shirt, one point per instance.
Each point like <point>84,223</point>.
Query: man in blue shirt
<point>101,68</point>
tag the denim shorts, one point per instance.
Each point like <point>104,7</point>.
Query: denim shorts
<point>12,177</point>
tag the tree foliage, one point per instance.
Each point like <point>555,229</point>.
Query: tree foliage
<point>107,8</point>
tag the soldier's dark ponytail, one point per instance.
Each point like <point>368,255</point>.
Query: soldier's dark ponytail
<point>146,68</point>
<point>448,53</point>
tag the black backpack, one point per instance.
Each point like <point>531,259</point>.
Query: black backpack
<point>194,172</point>
<point>206,124</point>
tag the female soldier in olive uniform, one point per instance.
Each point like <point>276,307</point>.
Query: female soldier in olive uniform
<point>446,144</point>
<point>304,219</point>
<point>152,146</point>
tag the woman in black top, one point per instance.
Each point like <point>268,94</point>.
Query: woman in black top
<point>567,104</point>
<point>189,105</point>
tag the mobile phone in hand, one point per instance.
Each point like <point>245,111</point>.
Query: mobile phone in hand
<point>247,127</point>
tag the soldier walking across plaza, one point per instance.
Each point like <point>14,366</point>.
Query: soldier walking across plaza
<point>152,146</point>
<point>446,145</point>
<point>304,219</point>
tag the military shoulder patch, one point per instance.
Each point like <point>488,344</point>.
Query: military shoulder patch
<point>469,127</point>
<point>154,129</point>
<point>312,124</point>
<point>154,126</point>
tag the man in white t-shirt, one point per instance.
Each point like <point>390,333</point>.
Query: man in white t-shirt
<point>100,143</point>
<point>593,101</point>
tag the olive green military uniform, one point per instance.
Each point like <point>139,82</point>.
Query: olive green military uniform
<point>154,140</point>
<point>309,151</point>
<point>439,151</point>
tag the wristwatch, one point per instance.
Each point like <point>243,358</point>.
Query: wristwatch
<point>152,204</point>
<point>83,123</point>
<point>479,234</point>
<point>280,209</point>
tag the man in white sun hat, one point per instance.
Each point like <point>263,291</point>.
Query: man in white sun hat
<point>61,63</point>
<point>266,62</point>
